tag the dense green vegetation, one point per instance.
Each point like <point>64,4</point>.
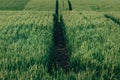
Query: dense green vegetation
<point>92,32</point>
<point>115,16</point>
<point>63,5</point>
<point>41,5</point>
<point>13,4</point>
<point>96,5</point>
<point>94,43</point>
<point>25,44</point>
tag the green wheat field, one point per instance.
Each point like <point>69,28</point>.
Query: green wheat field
<point>92,35</point>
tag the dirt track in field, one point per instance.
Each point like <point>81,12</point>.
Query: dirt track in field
<point>60,57</point>
<point>70,5</point>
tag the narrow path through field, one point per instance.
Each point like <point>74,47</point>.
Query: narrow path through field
<point>61,56</point>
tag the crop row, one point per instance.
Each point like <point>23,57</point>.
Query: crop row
<point>94,43</point>
<point>26,41</point>
<point>25,44</point>
<point>13,4</point>
<point>34,5</point>
<point>95,5</point>
<point>49,5</point>
<point>41,5</point>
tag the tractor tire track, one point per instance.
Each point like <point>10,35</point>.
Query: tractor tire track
<point>61,55</point>
<point>59,58</point>
<point>113,19</point>
<point>70,5</point>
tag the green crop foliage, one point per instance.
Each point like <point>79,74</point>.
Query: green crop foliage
<point>115,16</point>
<point>25,44</point>
<point>96,5</point>
<point>92,36</point>
<point>13,4</point>
<point>63,5</point>
<point>94,43</point>
<point>41,5</point>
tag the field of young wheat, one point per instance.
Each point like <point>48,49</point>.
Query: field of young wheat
<point>59,40</point>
